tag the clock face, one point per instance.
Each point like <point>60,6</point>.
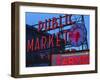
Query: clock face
<point>77,35</point>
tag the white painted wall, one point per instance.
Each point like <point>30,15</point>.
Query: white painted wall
<point>5,40</point>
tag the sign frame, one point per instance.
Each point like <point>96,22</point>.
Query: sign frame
<point>15,38</point>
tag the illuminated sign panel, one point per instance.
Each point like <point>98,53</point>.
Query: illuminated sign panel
<point>74,58</point>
